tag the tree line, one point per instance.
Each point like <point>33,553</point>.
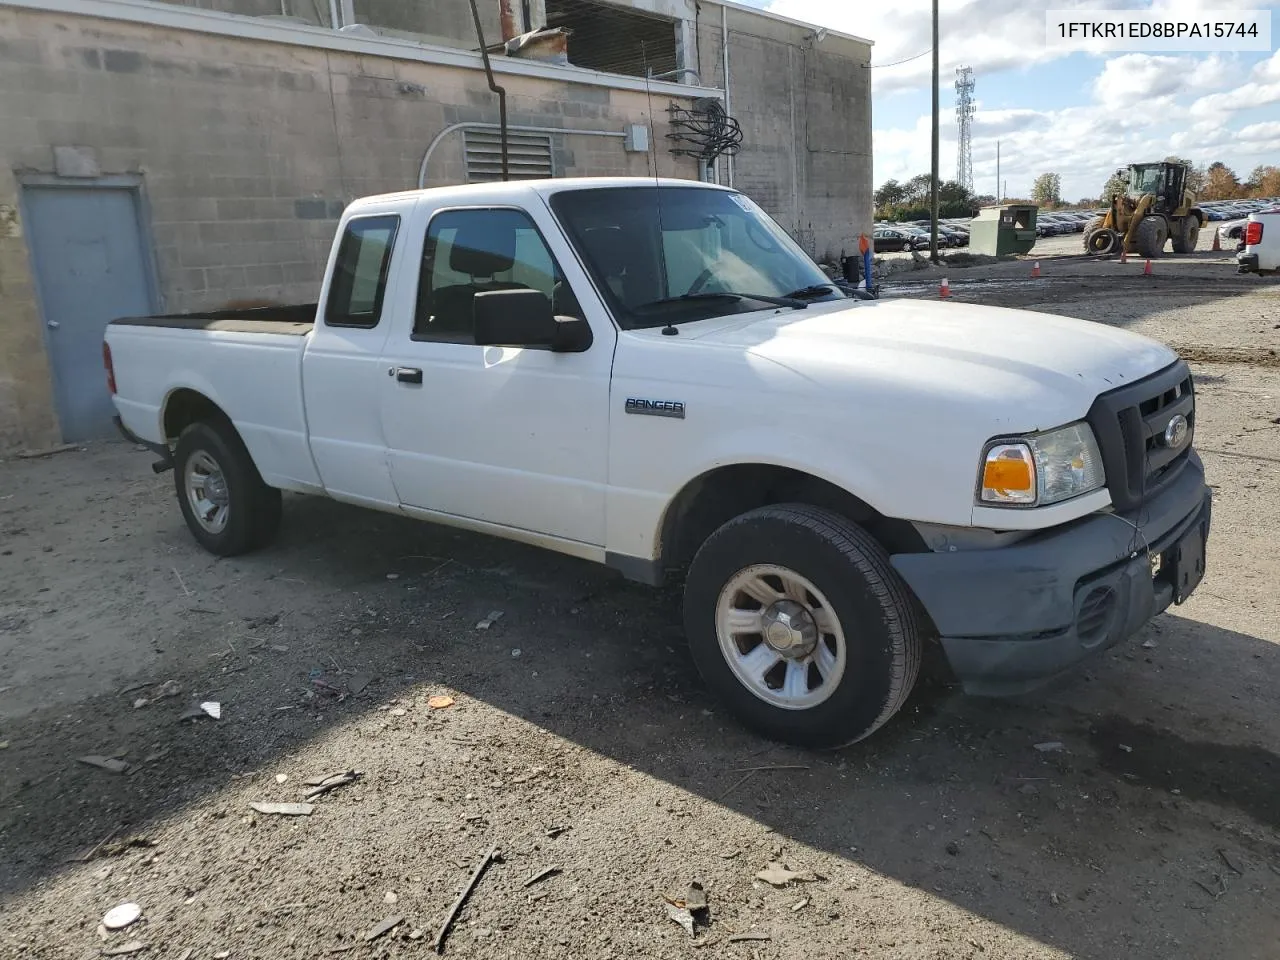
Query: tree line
<point>1216,181</point>
<point>910,200</point>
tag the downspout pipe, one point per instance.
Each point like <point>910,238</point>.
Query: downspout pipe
<point>724,57</point>
<point>493,85</point>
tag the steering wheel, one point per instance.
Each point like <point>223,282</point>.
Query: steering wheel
<point>699,282</point>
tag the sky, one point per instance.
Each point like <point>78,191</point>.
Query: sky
<point>1079,115</point>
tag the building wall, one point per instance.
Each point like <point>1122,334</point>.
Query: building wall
<point>248,151</point>
<point>804,105</point>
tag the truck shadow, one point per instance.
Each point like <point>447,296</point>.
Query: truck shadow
<point>953,797</point>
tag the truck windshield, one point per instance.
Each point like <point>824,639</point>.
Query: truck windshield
<point>656,252</point>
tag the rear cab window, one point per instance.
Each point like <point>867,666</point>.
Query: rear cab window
<point>359,283</point>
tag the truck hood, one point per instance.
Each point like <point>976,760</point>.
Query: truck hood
<point>945,348</point>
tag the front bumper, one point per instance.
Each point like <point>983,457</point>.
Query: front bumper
<point>1012,618</point>
<point>1247,263</point>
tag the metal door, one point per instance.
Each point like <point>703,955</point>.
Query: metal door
<point>91,265</point>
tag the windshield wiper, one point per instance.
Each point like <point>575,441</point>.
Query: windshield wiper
<point>793,302</point>
<point>813,290</point>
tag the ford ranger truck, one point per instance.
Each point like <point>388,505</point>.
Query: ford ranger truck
<point>1260,244</point>
<point>653,376</point>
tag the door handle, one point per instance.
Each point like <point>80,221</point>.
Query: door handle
<point>408,374</point>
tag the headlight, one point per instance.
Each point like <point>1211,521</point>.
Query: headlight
<point>1042,469</point>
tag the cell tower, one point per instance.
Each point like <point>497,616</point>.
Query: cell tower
<point>964,119</point>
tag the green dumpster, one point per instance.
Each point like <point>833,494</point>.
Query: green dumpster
<point>1001,231</point>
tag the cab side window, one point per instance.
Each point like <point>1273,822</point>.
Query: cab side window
<point>360,274</point>
<point>476,251</point>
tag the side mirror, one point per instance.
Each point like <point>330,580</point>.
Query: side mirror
<point>524,318</point>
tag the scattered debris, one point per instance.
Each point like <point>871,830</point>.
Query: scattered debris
<point>332,783</point>
<point>124,915</point>
<point>281,777</point>
<point>140,703</point>
<point>1222,854</point>
<point>1126,748</point>
<point>390,898</point>
<point>1148,644</point>
<point>284,809</point>
<point>416,934</point>
<point>681,916</point>
<point>542,875</point>
<point>1222,886</point>
<point>110,764</point>
<point>779,875</point>
<point>440,701</point>
<point>181,583</point>
<point>515,654</point>
<point>493,617</point>
<point>393,576</point>
<point>208,708</point>
<point>398,712</point>
<point>1054,898</point>
<point>492,856</point>
<point>356,685</point>
<point>170,688</point>
<point>749,938</point>
<point>797,907</point>
<point>94,850</point>
<point>4,744</point>
<point>1051,746</point>
<point>133,946</point>
<point>553,832</point>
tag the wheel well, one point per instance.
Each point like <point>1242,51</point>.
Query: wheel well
<point>185,407</point>
<point>716,497</point>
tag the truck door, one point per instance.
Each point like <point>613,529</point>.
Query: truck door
<point>516,437</point>
<point>343,373</point>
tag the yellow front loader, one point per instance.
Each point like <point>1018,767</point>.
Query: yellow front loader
<point>1155,208</point>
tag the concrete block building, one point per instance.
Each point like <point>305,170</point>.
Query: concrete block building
<point>174,156</point>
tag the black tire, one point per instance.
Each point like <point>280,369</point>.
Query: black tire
<point>872,605</point>
<point>252,508</point>
<point>1186,235</point>
<point>1101,241</point>
<point>1151,236</point>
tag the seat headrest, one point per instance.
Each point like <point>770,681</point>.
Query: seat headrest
<point>482,250</point>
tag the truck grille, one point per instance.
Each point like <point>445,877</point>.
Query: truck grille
<point>1130,424</point>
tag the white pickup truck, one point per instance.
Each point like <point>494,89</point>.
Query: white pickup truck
<point>1261,244</point>
<point>653,376</point>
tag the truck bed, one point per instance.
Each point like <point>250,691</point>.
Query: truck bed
<point>293,320</point>
<point>247,362</point>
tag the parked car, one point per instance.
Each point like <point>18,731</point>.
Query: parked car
<point>891,240</point>
<point>519,359</point>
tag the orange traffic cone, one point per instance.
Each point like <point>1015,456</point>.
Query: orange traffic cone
<point>1217,242</point>
<point>1146,271</point>
<point>1124,255</point>
<point>944,290</point>
<point>1035,270</point>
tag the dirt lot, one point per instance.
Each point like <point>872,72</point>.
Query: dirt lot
<point>580,738</point>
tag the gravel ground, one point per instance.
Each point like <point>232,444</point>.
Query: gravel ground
<point>579,737</point>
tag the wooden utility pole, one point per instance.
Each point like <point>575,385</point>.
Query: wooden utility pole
<point>933,186</point>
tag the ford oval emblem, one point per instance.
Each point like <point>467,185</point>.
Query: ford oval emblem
<point>1175,434</point>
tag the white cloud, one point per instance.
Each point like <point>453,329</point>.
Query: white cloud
<point>1262,89</point>
<point>1269,130</point>
<point>1134,79</point>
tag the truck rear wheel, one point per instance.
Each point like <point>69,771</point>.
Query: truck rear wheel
<point>1151,237</point>
<point>226,504</point>
<point>799,624</point>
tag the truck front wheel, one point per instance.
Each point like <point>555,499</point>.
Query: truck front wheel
<point>799,624</point>
<point>223,498</point>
